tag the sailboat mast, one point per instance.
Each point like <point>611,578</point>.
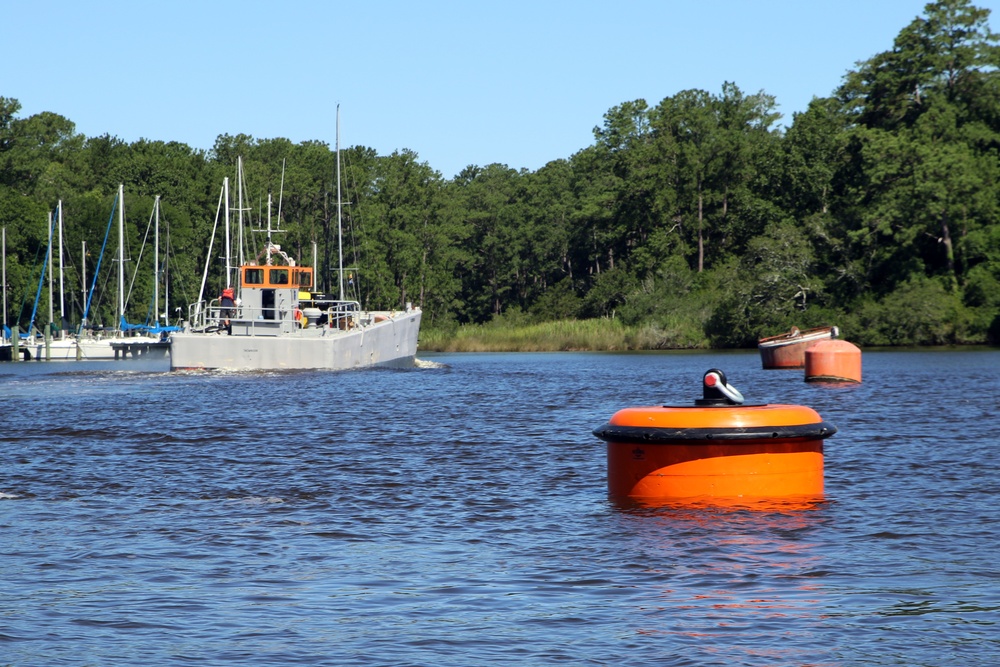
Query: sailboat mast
<point>340,233</point>
<point>50,271</point>
<point>83,283</point>
<point>4,280</point>
<point>62,284</point>
<point>166,281</point>
<point>156,259</point>
<point>121,255</point>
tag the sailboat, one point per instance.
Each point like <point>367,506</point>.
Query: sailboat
<point>9,340</point>
<point>278,321</point>
<point>125,338</point>
<point>57,344</point>
<point>52,341</point>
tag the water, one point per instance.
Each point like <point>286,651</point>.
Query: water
<point>456,514</point>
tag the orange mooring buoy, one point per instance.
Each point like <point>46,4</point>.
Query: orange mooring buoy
<point>833,361</point>
<point>719,448</point>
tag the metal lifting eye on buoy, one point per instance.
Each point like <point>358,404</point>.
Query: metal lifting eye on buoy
<point>716,391</point>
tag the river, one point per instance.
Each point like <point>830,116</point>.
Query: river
<point>457,514</point>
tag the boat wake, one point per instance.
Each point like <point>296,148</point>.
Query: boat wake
<point>424,363</point>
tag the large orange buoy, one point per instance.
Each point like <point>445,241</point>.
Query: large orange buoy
<point>833,361</point>
<point>717,449</point>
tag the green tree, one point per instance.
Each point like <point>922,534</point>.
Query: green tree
<point>814,146</point>
<point>922,161</point>
<point>719,145</point>
<point>397,217</point>
<point>492,200</point>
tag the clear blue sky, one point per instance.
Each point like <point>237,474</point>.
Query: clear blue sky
<point>518,82</point>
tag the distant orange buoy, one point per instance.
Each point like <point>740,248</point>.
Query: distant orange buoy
<point>717,449</point>
<point>833,361</point>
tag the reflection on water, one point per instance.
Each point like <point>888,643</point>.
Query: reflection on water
<point>457,514</point>
<point>739,584</point>
<point>705,505</point>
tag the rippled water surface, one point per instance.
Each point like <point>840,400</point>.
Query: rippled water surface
<point>457,514</point>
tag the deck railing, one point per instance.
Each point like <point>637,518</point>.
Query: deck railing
<point>211,315</point>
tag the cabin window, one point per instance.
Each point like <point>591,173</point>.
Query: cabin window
<point>279,276</point>
<point>303,278</point>
<point>253,276</point>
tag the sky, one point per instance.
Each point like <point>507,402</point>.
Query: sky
<point>459,83</point>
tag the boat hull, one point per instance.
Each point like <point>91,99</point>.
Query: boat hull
<point>68,349</point>
<point>88,349</point>
<point>788,351</point>
<point>390,341</point>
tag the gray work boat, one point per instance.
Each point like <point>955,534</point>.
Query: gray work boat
<point>276,321</point>
<point>280,324</point>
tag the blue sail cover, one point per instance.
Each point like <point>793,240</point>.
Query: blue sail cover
<point>154,329</point>
<point>8,334</point>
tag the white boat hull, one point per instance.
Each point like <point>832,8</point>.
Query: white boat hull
<point>88,349</point>
<point>391,341</point>
<point>85,349</point>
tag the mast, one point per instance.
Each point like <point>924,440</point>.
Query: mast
<point>121,256</point>
<point>166,281</point>
<point>88,297</point>
<point>226,216</point>
<point>83,284</point>
<point>229,260</point>
<point>50,260</point>
<point>156,260</point>
<point>62,285</point>
<point>239,208</point>
<point>269,230</point>
<point>340,233</point>
<point>3,333</point>
<point>281,190</point>
<point>223,194</point>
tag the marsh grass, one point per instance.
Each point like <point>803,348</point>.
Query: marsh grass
<point>559,336</point>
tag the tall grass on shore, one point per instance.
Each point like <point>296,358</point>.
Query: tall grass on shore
<point>559,336</point>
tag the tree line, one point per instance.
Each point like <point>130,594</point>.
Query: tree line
<point>699,218</point>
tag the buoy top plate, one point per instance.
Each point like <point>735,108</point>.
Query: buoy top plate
<point>744,416</point>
